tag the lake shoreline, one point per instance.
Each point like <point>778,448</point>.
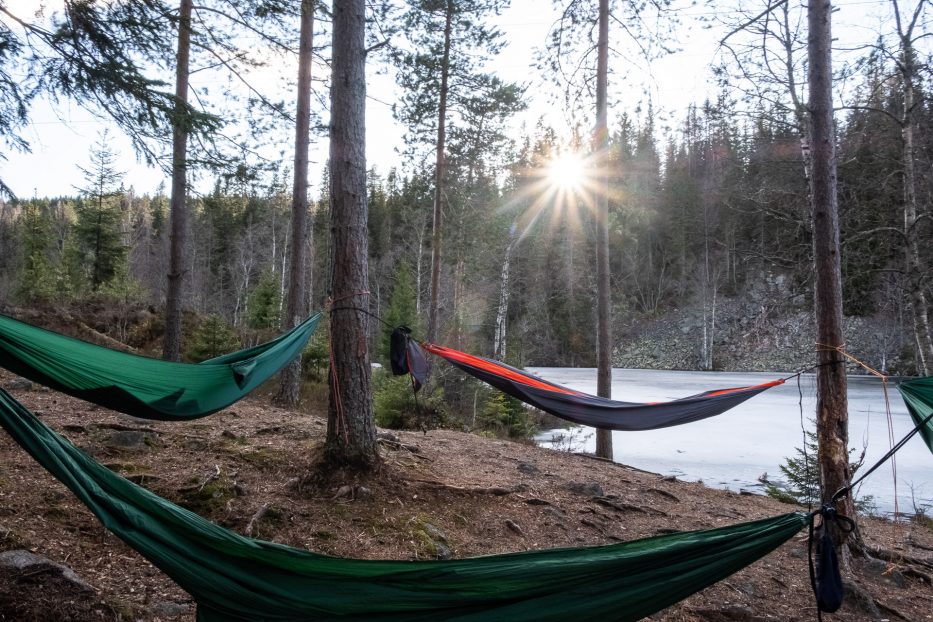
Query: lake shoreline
<point>734,451</point>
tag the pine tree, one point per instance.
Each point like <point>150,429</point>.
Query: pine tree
<point>351,429</point>
<point>440,80</point>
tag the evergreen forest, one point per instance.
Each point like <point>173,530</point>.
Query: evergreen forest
<point>709,216</point>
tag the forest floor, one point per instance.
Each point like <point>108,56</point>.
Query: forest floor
<point>438,494</point>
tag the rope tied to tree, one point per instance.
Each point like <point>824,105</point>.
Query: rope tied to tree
<point>341,419</point>
<point>840,349</point>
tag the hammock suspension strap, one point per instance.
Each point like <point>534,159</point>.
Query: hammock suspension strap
<point>825,578</point>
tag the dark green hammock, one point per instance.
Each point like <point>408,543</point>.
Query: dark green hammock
<point>140,386</point>
<point>918,395</point>
<point>234,578</point>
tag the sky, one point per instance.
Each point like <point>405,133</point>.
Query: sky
<point>61,136</point>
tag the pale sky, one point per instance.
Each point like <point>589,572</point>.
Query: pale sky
<point>62,136</point>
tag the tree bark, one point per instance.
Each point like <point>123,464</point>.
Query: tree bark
<point>832,424</point>
<point>171,344</point>
<point>502,314</point>
<point>351,432</point>
<point>439,170</point>
<point>296,309</point>
<point>600,148</point>
<point>914,265</point>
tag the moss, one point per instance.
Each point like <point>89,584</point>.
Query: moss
<point>426,544</point>
<point>427,537</point>
<point>262,457</point>
<point>13,539</point>
<point>208,499</point>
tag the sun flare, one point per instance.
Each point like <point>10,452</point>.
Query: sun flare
<point>566,171</point>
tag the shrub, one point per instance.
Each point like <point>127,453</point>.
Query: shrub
<point>397,406</point>
<point>213,337</point>
<point>803,477</point>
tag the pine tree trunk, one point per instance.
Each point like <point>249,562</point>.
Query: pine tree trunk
<point>600,147</point>
<point>351,432</point>
<point>832,423</point>
<point>171,345</point>
<point>439,190</point>
<point>290,387</point>
<point>912,225</point>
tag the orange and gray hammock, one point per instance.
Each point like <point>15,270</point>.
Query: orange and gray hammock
<point>596,411</point>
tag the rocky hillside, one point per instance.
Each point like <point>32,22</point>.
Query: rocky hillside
<point>763,331</point>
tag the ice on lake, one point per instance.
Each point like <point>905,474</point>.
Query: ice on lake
<point>735,449</point>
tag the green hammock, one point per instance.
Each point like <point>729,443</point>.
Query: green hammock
<point>918,395</point>
<point>233,578</point>
<point>140,386</point>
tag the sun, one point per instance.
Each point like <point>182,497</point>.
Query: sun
<point>563,187</point>
<point>566,171</point>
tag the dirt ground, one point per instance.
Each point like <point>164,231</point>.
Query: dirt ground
<point>441,493</point>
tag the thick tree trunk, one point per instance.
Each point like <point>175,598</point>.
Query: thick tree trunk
<point>290,387</point>
<point>831,405</point>
<point>439,190</point>
<point>171,344</point>
<point>601,147</point>
<point>351,432</point>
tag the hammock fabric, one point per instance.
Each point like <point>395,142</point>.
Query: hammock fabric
<point>233,578</point>
<point>595,411</point>
<point>140,386</point>
<point>918,395</point>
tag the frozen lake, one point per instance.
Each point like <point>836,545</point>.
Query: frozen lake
<point>735,448</point>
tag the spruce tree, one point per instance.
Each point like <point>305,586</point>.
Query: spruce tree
<point>213,338</point>
<point>36,278</point>
<point>99,218</point>
<point>402,306</point>
<point>264,303</point>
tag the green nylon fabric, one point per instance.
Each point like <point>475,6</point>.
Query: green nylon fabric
<point>918,395</point>
<point>140,386</point>
<point>237,579</point>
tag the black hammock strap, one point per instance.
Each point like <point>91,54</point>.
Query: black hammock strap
<point>845,490</point>
<point>825,578</point>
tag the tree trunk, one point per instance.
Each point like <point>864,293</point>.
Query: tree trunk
<point>439,190</point>
<point>601,147</point>
<point>171,344</point>
<point>290,387</point>
<point>351,432</point>
<point>502,315</point>
<point>832,423</point>
<point>912,232</point>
